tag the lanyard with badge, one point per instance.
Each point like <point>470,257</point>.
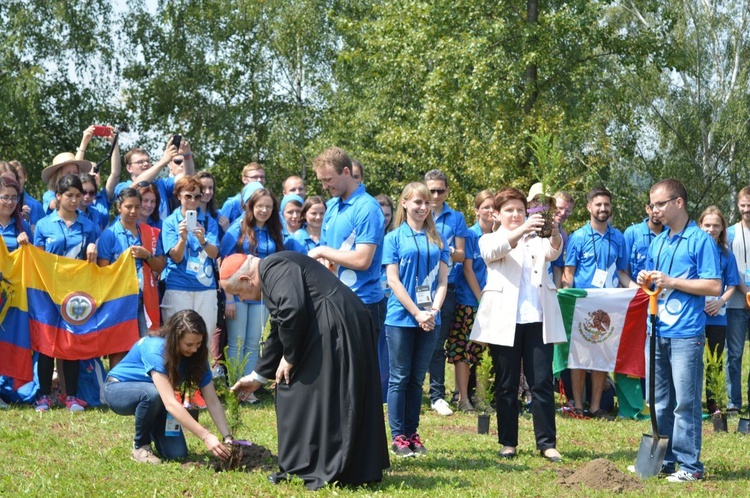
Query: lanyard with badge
<point>136,241</point>
<point>194,262</point>
<point>65,242</point>
<point>424,296</point>
<point>744,246</point>
<point>671,261</point>
<point>600,276</point>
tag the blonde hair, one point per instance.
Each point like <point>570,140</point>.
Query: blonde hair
<point>421,190</point>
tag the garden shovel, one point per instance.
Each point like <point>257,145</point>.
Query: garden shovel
<point>653,447</point>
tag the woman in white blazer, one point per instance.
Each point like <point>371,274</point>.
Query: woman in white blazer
<point>519,318</point>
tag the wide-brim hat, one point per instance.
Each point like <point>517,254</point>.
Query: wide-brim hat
<point>62,160</point>
<point>536,190</point>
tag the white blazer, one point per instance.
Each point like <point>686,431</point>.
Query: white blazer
<point>495,322</point>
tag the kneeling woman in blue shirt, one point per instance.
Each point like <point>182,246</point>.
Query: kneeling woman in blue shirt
<point>144,382</point>
<point>416,259</point>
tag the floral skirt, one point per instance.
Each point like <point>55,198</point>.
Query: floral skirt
<point>459,347</point>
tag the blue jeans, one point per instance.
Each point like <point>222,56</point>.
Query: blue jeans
<point>142,400</point>
<point>679,385</point>
<point>437,363</point>
<point>409,351</point>
<point>737,324</point>
<point>246,329</point>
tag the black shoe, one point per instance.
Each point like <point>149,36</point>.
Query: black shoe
<point>552,459</point>
<point>508,452</point>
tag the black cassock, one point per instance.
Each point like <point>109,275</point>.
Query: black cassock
<point>330,416</point>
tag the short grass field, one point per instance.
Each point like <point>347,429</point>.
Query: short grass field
<point>88,454</point>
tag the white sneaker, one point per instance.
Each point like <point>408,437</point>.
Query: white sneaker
<point>682,476</point>
<point>441,406</point>
<point>145,455</point>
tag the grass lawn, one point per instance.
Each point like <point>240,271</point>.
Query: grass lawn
<point>88,454</point>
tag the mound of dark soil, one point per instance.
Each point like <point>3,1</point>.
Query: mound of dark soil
<point>601,474</point>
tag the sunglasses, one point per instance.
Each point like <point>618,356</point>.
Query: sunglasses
<point>89,192</point>
<point>177,161</point>
<point>143,184</point>
<point>439,191</point>
<point>192,197</point>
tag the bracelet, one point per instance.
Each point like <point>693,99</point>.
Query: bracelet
<point>228,436</point>
<point>81,149</point>
<point>208,433</point>
<point>205,243</point>
<point>187,155</point>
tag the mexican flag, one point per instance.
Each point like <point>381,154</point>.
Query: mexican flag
<point>606,331</point>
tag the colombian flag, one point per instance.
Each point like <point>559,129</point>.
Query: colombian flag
<point>64,308</point>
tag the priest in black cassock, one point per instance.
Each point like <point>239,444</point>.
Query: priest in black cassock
<point>322,352</point>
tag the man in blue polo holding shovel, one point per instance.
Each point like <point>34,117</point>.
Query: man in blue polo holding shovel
<point>683,261</point>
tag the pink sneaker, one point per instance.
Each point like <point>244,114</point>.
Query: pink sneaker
<point>43,404</point>
<point>74,404</point>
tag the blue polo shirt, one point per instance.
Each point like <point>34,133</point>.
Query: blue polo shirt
<point>464,294</point>
<point>416,266</point>
<point>146,356</point>
<point>451,224</point>
<point>10,234</point>
<point>304,238</point>
<point>101,205</point>
<point>588,250</point>
<point>94,217</point>
<point>638,238</point>
<point>165,186</point>
<point>36,210</point>
<point>356,220</point>
<point>52,235</point>
<point>690,254</point>
<point>178,277</point>
<point>232,208</point>
<point>116,239</point>
<point>47,197</point>
<point>730,276</point>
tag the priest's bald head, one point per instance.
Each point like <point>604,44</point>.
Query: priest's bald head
<point>239,276</point>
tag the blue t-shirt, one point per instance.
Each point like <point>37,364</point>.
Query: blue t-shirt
<point>10,234</point>
<point>116,239</point>
<point>146,356</point>
<point>416,267</point>
<point>101,205</point>
<point>200,276</point>
<point>94,217</point>
<point>689,254</point>
<point>36,210</point>
<point>730,276</point>
<point>588,250</point>
<point>357,220</point>
<point>304,238</point>
<point>638,238</point>
<point>232,208</point>
<point>52,235</point>
<point>451,224</point>
<point>47,197</point>
<point>464,294</point>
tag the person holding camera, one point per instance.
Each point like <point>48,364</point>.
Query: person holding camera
<point>101,201</point>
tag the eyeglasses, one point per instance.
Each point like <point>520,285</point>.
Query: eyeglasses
<point>142,161</point>
<point>9,198</point>
<point>255,178</point>
<point>192,197</point>
<point>661,205</point>
<point>89,192</point>
<point>438,191</point>
<point>177,161</point>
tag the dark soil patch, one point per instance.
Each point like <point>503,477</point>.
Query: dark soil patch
<point>601,474</point>
<point>245,459</point>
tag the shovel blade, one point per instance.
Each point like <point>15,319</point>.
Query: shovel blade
<point>651,454</point>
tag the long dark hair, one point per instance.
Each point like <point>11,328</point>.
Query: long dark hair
<point>210,205</point>
<point>17,216</point>
<point>247,232</point>
<point>180,324</point>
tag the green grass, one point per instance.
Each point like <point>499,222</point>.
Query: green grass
<point>87,454</point>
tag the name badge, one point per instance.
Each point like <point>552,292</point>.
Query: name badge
<point>600,278</point>
<point>193,265</point>
<point>424,297</point>
<point>172,428</point>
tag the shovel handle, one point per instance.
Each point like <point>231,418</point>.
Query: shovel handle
<point>747,298</point>
<point>653,308</point>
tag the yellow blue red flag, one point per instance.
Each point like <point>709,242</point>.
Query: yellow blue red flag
<point>64,308</point>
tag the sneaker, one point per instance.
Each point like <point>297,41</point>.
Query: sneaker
<point>601,414</point>
<point>682,476</point>
<point>441,406</point>
<point>43,404</point>
<point>145,455</point>
<point>465,406</point>
<point>197,399</point>
<point>416,446</point>
<point>74,404</point>
<point>401,447</point>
